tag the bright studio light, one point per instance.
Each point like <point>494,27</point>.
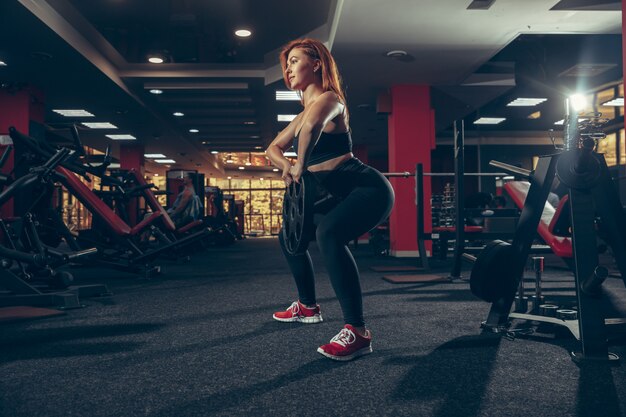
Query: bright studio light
<point>578,102</point>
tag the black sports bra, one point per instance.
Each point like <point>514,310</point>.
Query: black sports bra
<point>329,146</point>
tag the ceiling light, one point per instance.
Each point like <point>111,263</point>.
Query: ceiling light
<point>121,137</point>
<point>99,125</point>
<point>261,179</point>
<point>156,175</point>
<point>165,161</point>
<point>3,64</point>
<point>243,33</point>
<point>578,102</point>
<point>73,113</point>
<point>193,131</point>
<point>258,147</point>
<point>154,155</point>
<point>228,178</point>
<point>489,120</point>
<point>156,91</point>
<point>617,102</point>
<point>560,122</point>
<point>290,154</point>
<point>178,114</point>
<point>229,159</point>
<point>249,123</point>
<point>156,59</point>
<point>535,115</point>
<point>214,152</point>
<point>242,168</point>
<point>287,95</point>
<point>397,53</point>
<point>275,169</point>
<point>248,163</point>
<point>286,117</point>
<point>526,102</point>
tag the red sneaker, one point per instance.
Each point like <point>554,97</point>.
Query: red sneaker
<point>348,344</point>
<point>298,312</point>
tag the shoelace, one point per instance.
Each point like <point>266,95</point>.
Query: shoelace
<point>294,307</point>
<point>344,337</point>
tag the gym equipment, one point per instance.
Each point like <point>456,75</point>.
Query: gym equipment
<point>590,190</point>
<point>39,257</point>
<point>298,205</point>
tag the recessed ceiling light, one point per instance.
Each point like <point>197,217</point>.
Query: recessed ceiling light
<point>261,179</point>
<point>214,152</point>
<point>193,131</point>
<point>248,164</point>
<point>165,161</point>
<point>229,161</point>
<point>397,53</point>
<point>99,125</point>
<point>156,175</point>
<point>154,155</point>
<point>242,168</point>
<point>228,178</point>
<point>534,116</point>
<point>287,95</point>
<point>285,117</point>
<point>121,137</point>
<point>243,33</point>
<point>526,102</point>
<point>290,154</point>
<point>156,59</point>
<point>616,102</point>
<point>275,169</point>
<point>258,147</point>
<point>156,91</point>
<point>73,112</point>
<point>489,120</point>
<point>178,114</point>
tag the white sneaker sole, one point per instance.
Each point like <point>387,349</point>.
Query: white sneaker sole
<point>363,351</point>
<point>306,320</point>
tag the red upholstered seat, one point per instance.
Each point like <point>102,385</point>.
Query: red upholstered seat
<point>189,225</point>
<point>153,202</point>
<point>96,206</point>
<point>561,246</point>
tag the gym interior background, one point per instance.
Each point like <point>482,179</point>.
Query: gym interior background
<point>108,309</point>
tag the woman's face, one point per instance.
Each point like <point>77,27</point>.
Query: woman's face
<point>300,69</point>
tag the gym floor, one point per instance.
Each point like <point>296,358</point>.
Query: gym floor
<point>200,340</point>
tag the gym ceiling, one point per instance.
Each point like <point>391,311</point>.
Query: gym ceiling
<point>478,56</point>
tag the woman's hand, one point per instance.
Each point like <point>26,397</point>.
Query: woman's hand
<point>296,171</point>
<point>287,174</point>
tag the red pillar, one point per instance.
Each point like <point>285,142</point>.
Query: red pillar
<point>17,109</point>
<point>131,157</point>
<point>411,138</point>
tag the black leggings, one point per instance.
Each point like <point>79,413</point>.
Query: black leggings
<point>365,199</point>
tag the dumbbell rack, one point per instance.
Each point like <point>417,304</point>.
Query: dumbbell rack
<point>591,190</point>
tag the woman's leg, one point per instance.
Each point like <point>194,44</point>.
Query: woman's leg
<point>301,268</point>
<point>362,209</point>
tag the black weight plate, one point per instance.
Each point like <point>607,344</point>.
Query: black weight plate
<point>579,180</point>
<point>491,277</point>
<point>298,207</point>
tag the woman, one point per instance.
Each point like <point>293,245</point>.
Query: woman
<point>320,135</point>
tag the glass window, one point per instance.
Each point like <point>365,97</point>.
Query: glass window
<point>602,97</point>
<point>607,146</point>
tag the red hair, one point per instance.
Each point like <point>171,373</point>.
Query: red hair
<point>331,80</point>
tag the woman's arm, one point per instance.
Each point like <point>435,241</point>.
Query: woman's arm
<point>326,108</point>
<point>279,145</point>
